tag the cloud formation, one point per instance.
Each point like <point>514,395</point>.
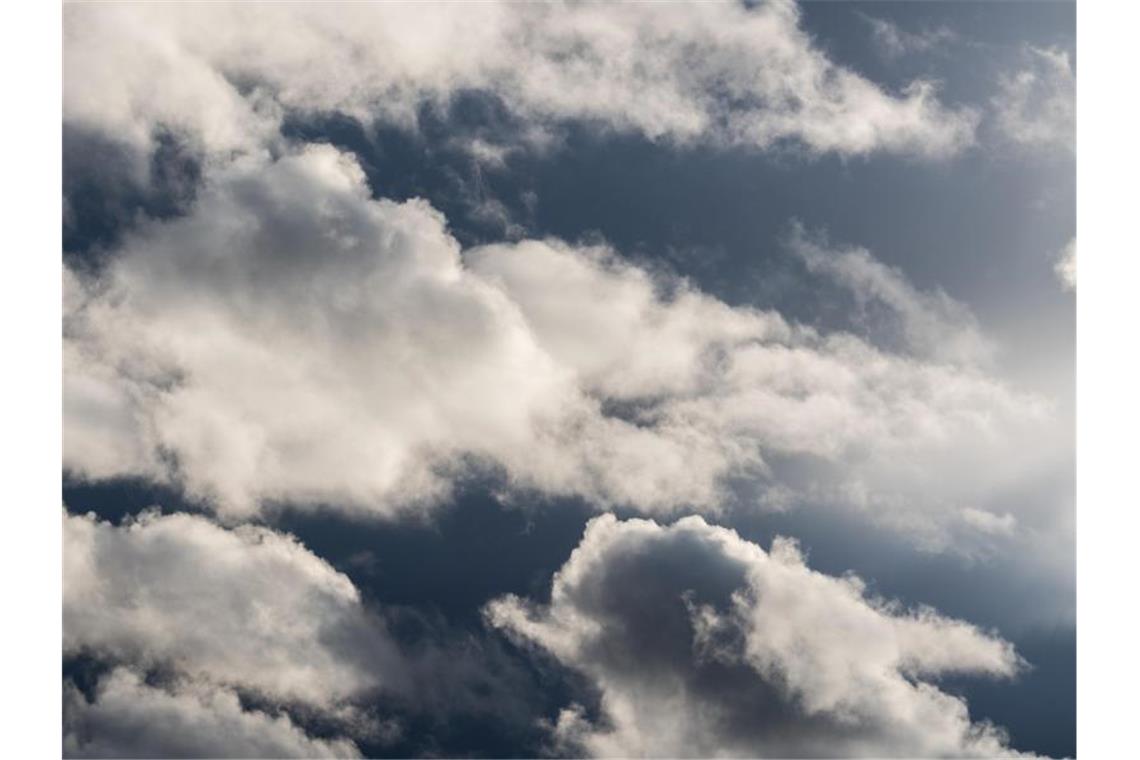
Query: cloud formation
<point>1036,106</point>
<point>247,608</point>
<point>292,340</point>
<point>129,718</point>
<point>931,325</point>
<point>720,73</point>
<point>215,641</point>
<point>703,644</point>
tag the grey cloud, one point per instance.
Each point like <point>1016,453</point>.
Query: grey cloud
<point>702,644</point>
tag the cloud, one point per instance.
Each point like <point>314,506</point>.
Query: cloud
<point>719,73</point>
<point>239,641</point>
<point>1066,266</point>
<point>988,522</point>
<point>1035,107</point>
<point>129,718</point>
<point>930,324</point>
<point>244,608</point>
<point>292,340</point>
<point>893,41</point>
<point>703,644</point>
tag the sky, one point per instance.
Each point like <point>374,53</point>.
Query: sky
<point>569,380</point>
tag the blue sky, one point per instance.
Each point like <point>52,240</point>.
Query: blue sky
<point>430,309</point>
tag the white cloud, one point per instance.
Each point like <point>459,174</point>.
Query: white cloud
<point>1066,266</point>
<point>702,644</point>
<point>224,73</point>
<point>1036,106</point>
<point>247,608</point>
<point>129,718</point>
<point>293,340</point>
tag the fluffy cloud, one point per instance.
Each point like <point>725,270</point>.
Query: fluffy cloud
<point>293,340</point>
<point>246,608</point>
<point>129,718</point>
<point>1036,106</point>
<point>702,644</point>
<point>723,73</point>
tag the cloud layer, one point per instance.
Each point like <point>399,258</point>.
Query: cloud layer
<point>703,644</point>
<point>723,73</point>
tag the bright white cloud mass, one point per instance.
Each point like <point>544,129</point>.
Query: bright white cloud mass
<point>294,335</point>
<point>293,340</point>
<point>704,645</point>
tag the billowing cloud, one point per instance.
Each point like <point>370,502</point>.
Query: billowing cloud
<point>722,73</point>
<point>293,340</point>
<point>245,608</point>
<point>129,718</point>
<point>1036,105</point>
<point>703,644</point>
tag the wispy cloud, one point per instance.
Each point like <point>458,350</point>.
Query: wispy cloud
<point>1035,107</point>
<point>893,41</point>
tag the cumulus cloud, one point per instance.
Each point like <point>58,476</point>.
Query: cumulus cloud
<point>723,73</point>
<point>703,644</point>
<point>1036,105</point>
<point>129,718</point>
<point>1066,266</point>
<point>244,608</point>
<point>294,340</point>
